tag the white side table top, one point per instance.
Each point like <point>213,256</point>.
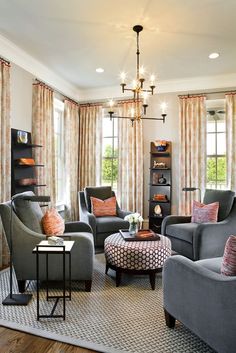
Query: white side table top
<point>55,248</point>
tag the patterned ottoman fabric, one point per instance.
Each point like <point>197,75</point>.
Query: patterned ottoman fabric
<point>136,255</point>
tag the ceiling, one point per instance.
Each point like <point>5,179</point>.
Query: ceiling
<point>74,37</point>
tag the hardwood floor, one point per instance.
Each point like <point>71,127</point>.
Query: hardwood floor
<point>20,342</point>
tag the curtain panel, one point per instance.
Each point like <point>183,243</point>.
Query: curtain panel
<point>5,146</point>
<point>130,161</point>
<point>90,145</point>
<point>230,100</point>
<point>192,161</point>
<point>43,134</point>
<point>71,149</point>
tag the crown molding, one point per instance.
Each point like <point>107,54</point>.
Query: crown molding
<point>16,55</point>
<point>204,83</point>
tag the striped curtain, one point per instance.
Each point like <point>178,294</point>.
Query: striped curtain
<point>71,150</point>
<point>5,147</point>
<point>43,134</point>
<point>230,116</point>
<point>130,161</point>
<point>192,163</point>
<point>90,145</point>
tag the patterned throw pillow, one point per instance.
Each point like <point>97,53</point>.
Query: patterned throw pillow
<point>53,223</point>
<point>101,208</point>
<point>228,266</point>
<point>202,213</point>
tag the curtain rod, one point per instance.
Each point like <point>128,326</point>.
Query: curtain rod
<point>56,90</point>
<point>205,93</point>
<point>102,102</point>
<point>6,61</point>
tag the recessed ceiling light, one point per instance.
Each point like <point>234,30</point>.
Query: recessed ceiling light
<point>99,70</point>
<point>214,55</point>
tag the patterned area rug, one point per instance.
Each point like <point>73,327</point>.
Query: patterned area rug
<point>125,319</point>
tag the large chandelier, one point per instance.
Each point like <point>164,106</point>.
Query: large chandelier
<point>140,93</point>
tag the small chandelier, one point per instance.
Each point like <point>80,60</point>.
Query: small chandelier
<point>140,94</point>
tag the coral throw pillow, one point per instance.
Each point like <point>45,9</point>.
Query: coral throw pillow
<point>202,213</point>
<point>228,266</point>
<point>53,223</point>
<point>102,208</point>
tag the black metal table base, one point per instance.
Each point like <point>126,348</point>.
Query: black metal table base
<point>57,297</point>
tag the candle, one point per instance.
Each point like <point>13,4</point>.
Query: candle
<point>111,103</point>
<point>134,84</point>
<point>163,108</point>
<point>152,79</point>
<point>141,72</point>
<point>123,77</point>
<point>132,111</point>
<point>145,97</point>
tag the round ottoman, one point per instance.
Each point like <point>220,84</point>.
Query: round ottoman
<point>137,257</point>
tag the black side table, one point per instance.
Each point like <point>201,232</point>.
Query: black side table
<point>44,248</point>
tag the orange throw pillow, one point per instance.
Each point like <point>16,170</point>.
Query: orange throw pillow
<point>102,208</point>
<point>53,223</point>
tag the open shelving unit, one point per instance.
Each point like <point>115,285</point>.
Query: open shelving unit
<point>155,187</point>
<point>19,172</point>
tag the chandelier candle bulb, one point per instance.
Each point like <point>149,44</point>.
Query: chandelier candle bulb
<point>163,108</point>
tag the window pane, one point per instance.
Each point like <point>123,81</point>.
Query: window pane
<point>116,147</point>
<point>221,169</point>
<point>211,169</point>
<point>221,126</point>
<point>115,127</point>
<point>106,171</point>
<point>211,144</point>
<point>211,126</point>
<point>107,147</point>
<point>221,143</point>
<point>107,127</point>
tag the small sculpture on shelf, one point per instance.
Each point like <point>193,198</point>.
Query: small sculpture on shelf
<point>160,197</point>
<point>159,165</point>
<point>158,211</point>
<point>161,145</point>
<point>161,179</point>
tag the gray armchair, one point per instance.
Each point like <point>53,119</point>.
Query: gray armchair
<point>196,294</point>
<point>27,232</point>
<point>200,241</point>
<point>101,226</point>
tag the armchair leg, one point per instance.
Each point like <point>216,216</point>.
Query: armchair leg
<point>170,320</point>
<point>21,285</point>
<point>88,285</point>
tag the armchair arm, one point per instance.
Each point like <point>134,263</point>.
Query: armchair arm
<point>209,239</point>
<point>173,220</point>
<point>122,213</point>
<point>71,227</point>
<point>186,287</point>
<point>86,216</point>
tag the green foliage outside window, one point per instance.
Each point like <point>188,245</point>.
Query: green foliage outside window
<point>214,174</point>
<point>110,164</point>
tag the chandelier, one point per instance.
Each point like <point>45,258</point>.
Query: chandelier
<point>140,93</point>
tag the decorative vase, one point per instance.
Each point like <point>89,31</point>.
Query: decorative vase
<point>133,228</point>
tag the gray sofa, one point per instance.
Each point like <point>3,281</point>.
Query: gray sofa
<point>27,232</point>
<point>102,226</point>
<point>196,294</point>
<point>206,240</point>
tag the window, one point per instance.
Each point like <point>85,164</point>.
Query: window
<point>59,150</point>
<point>216,149</point>
<point>110,153</point>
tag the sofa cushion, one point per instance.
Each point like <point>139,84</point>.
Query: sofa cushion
<point>213,264</point>
<point>202,213</point>
<point>228,266</point>
<point>225,199</point>
<point>29,212</point>
<point>101,208</point>
<point>182,231</point>
<point>53,223</point>
<point>101,192</point>
<point>111,224</point>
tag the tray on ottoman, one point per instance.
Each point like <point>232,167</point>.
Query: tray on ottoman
<point>142,235</point>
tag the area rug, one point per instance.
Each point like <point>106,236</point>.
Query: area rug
<point>125,319</point>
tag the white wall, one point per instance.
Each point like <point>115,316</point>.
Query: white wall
<point>155,130</point>
<point>21,98</point>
